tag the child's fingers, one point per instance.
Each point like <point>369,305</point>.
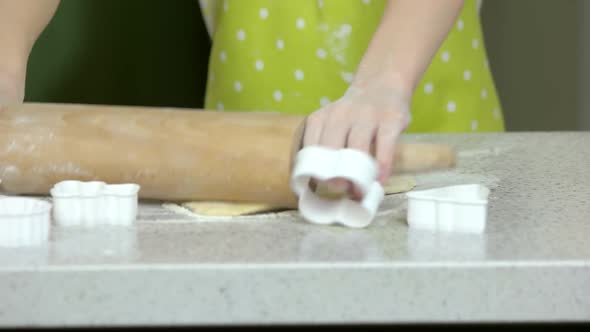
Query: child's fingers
<point>386,139</point>
<point>313,129</point>
<point>361,135</point>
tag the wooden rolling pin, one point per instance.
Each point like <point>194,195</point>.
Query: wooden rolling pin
<point>173,154</point>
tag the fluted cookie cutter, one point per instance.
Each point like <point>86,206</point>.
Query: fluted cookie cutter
<point>323,164</point>
<point>461,208</point>
<point>24,221</point>
<point>94,203</point>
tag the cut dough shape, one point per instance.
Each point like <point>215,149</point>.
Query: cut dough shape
<point>395,185</point>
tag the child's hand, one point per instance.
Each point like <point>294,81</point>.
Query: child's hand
<point>366,119</point>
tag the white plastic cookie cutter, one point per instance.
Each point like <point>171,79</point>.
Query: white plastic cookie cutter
<point>322,164</point>
<point>94,203</point>
<point>461,208</point>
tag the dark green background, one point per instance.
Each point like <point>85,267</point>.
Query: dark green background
<point>126,52</point>
<point>155,52</point>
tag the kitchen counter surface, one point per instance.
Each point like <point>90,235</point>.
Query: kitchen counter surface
<point>531,264</point>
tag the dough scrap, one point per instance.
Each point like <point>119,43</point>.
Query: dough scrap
<point>395,185</point>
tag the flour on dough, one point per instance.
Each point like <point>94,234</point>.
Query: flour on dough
<point>395,185</point>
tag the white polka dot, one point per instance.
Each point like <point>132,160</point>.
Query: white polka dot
<point>299,75</point>
<point>222,56</point>
<point>300,23</point>
<point>263,13</point>
<point>238,86</point>
<point>474,125</point>
<point>321,53</point>
<point>460,25</point>
<point>451,106</point>
<point>219,106</point>
<point>496,113</point>
<point>324,101</point>
<point>277,95</point>
<point>241,35</point>
<point>475,43</point>
<point>280,44</point>
<point>467,75</point>
<point>486,64</point>
<point>428,88</point>
<point>347,77</point>
<point>259,65</point>
<point>346,29</point>
<point>484,93</point>
<point>445,56</point>
<point>321,3</point>
<point>366,2</point>
<point>225,5</point>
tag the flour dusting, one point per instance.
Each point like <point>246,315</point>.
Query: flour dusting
<point>15,146</point>
<point>338,43</point>
<point>6,171</point>
<point>62,168</point>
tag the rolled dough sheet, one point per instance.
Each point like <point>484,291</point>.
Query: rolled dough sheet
<point>395,185</point>
<point>227,209</point>
<point>399,184</point>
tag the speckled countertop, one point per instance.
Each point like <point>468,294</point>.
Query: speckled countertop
<point>532,264</point>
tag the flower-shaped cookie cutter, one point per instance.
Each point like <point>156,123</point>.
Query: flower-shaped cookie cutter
<point>323,164</point>
<point>94,203</point>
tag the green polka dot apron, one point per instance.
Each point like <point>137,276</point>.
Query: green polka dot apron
<point>296,56</point>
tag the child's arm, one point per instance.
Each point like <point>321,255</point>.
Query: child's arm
<point>21,23</point>
<point>375,109</point>
<point>410,33</point>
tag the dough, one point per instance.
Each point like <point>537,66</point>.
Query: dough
<point>395,185</point>
<point>227,209</point>
<point>399,184</point>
